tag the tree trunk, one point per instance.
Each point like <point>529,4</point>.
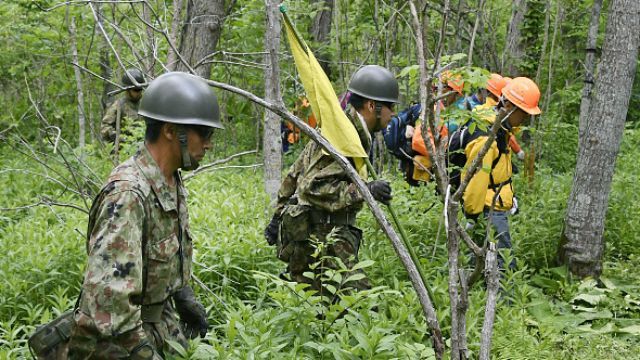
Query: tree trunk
<point>590,65</point>
<point>76,70</point>
<point>512,50</point>
<point>150,51</point>
<point>105,61</point>
<point>320,30</point>
<point>458,29</point>
<point>476,25</point>
<point>556,28</point>
<point>200,34</point>
<point>172,57</point>
<point>392,38</point>
<point>272,142</point>
<point>530,142</point>
<point>582,243</point>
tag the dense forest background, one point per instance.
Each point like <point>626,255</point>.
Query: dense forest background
<point>61,60</point>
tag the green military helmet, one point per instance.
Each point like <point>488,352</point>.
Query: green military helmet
<point>181,98</point>
<point>134,73</point>
<point>376,83</point>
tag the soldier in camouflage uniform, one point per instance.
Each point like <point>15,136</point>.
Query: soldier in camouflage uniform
<point>136,294</point>
<point>122,115</point>
<point>318,203</point>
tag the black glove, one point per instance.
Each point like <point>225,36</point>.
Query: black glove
<point>193,315</point>
<point>271,231</point>
<point>381,191</point>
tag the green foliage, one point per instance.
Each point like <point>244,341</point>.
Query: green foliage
<point>543,313</point>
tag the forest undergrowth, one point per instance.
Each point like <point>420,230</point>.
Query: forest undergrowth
<point>542,314</point>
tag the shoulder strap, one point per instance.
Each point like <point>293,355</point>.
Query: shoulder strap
<point>145,247</point>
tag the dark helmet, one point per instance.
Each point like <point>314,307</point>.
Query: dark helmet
<point>181,98</point>
<point>134,73</point>
<point>376,83</point>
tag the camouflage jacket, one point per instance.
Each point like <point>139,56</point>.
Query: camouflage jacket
<point>318,180</point>
<point>135,233</point>
<point>128,120</point>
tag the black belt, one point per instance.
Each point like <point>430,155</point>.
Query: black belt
<point>333,218</point>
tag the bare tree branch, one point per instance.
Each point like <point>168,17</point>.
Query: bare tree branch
<point>206,167</point>
<point>401,250</point>
<point>492,275</point>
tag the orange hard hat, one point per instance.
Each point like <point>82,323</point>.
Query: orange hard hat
<point>453,81</point>
<point>495,84</point>
<point>507,79</point>
<point>523,93</point>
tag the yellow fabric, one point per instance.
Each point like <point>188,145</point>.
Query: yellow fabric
<point>334,124</point>
<point>418,172</point>
<point>478,195</point>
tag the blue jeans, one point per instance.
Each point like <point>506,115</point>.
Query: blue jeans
<point>500,222</point>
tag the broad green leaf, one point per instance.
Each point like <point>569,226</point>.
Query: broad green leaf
<point>363,264</point>
<point>590,299</point>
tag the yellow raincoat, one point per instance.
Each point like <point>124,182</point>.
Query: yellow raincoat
<point>479,193</point>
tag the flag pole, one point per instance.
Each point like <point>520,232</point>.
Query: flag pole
<point>285,16</point>
<point>403,234</point>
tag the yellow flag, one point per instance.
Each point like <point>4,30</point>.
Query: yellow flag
<point>334,124</point>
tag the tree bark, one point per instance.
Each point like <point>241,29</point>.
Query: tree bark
<point>76,70</point>
<point>529,140</point>
<point>105,61</point>
<point>200,34</point>
<point>320,30</point>
<point>172,57</point>
<point>150,51</point>
<point>512,50</point>
<point>493,285</point>
<point>458,29</point>
<point>589,65</point>
<point>552,49</point>
<point>272,141</point>
<point>582,243</point>
<point>476,25</point>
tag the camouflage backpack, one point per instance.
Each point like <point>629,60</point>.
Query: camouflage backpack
<point>50,341</point>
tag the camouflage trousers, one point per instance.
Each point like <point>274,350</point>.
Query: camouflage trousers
<point>85,344</point>
<point>326,246</point>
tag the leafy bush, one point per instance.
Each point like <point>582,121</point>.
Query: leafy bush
<point>542,313</point>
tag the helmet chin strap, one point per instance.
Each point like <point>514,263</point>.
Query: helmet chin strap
<point>378,117</point>
<point>188,163</point>
<point>504,123</point>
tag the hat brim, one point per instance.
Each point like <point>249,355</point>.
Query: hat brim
<point>532,111</point>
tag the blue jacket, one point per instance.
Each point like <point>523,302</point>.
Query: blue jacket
<point>394,133</point>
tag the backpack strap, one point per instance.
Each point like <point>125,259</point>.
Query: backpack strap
<point>146,228</point>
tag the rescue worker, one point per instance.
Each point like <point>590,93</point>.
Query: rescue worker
<point>494,187</point>
<point>317,202</point>
<point>495,84</point>
<point>403,137</point>
<point>136,294</point>
<point>121,118</point>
